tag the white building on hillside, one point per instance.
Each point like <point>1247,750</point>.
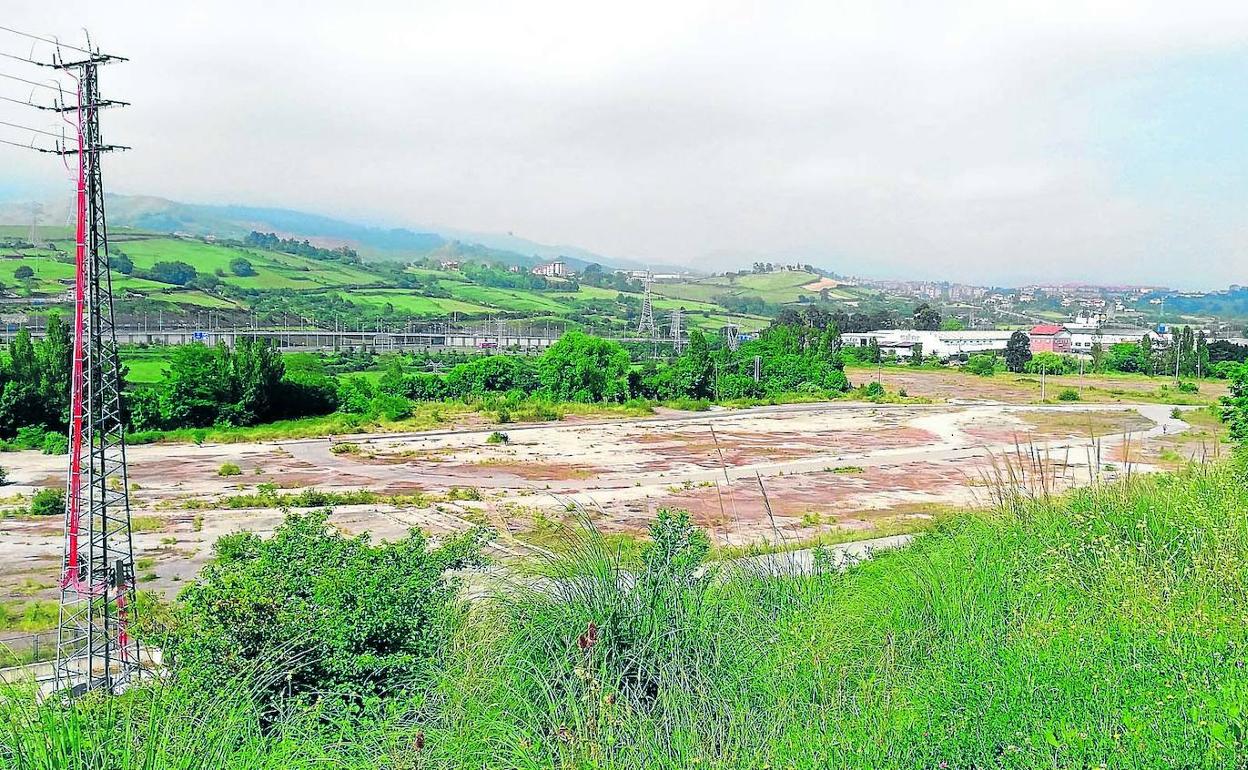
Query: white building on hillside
<point>556,269</point>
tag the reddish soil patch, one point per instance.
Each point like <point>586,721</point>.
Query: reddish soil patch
<point>992,436</point>
<point>792,497</point>
<point>671,450</point>
<point>402,488</point>
<point>530,471</point>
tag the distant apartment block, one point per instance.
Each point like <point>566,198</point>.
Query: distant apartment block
<point>556,269</point>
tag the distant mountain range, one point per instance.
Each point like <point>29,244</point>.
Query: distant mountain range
<point>377,243</point>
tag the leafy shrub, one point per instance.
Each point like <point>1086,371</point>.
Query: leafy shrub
<point>355,394</point>
<point>30,437</point>
<point>332,619</point>
<point>55,444</point>
<point>982,364</point>
<point>391,407</point>
<point>176,272</point>
<point>241,267</point>
<point>1069,394</point>
<point>463,493</point>
<point>229,469</point>
<point>1189,387</point>
<point>498,437</point>
<point>538,411</point>
<point>1235,406</point>
<point>120,261</point>
<point>48,502</point>
<point>345,448</point>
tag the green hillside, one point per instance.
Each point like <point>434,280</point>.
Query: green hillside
<point>329,286</point>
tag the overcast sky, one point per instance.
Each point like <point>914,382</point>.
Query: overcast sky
<point>1077,141</point>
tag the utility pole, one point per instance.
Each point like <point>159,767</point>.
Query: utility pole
<point>95,650</point>
<point>1178,352</point>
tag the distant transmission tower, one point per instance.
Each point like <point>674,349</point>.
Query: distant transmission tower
<point>35,210</point>
<point>646,325</point>
<point>95,649</point>
<point>677,331</point>
<point>733,334</point>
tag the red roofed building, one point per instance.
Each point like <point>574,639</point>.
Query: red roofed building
<point>1049,338</point>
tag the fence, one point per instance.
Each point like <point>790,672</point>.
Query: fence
<point>27,648</point>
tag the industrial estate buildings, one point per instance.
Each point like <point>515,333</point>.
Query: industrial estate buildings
<point>1053,338</point>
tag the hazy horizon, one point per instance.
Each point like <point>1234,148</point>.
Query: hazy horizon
<point>1055,143</point>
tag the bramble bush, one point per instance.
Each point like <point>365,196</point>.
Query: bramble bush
<point>341,619</point>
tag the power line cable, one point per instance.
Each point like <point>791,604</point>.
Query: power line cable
<point>15,57</point>
<point>28,128</point>
<point>27,104</point>
<point>31,82</point>
<point>28,147</point>
<point>51,41</point>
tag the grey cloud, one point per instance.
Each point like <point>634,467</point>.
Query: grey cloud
<point>942,139</point>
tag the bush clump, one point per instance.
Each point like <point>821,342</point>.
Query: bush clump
<point>498,437</point>
<point>317,616</point>
<point>229,469</point>
<point>48,502</point>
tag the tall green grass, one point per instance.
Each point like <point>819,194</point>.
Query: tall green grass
<point>1108,628</point>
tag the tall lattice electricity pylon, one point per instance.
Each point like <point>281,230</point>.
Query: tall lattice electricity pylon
<point>96,649</point>
<point>646,326</point>
<point>677,330</point>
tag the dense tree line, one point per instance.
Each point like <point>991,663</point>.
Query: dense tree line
<point>303,248</point>
<point>747,304</point>
<point>815,317</point>
<point>245,385</point>
<point>1235,405</point>
<point>505,278</point>
<point>595,275</point>
<point>205,386</point>
<point>588,369</point>
<point>34,380</point>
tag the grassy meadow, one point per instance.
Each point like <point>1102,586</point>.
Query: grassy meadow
<point>1106,629</point>
<point>373,291</point>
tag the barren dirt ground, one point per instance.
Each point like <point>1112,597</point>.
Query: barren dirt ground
<point>836,468</point>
